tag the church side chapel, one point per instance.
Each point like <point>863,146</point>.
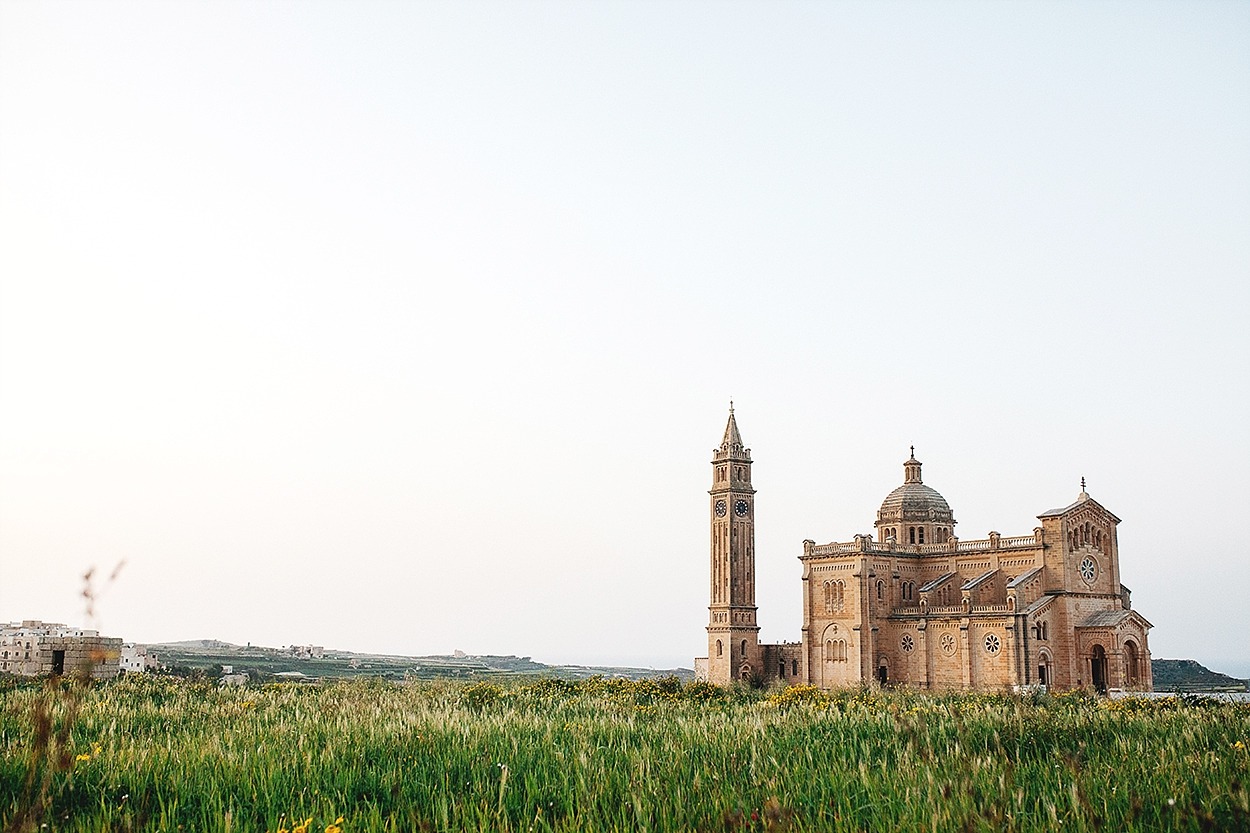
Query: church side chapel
<point>915,606</point>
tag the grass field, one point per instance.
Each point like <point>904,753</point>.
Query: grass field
<point>594,755</point>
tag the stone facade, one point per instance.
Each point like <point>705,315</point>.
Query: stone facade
<point>913,605</point>
<point>33,648</point>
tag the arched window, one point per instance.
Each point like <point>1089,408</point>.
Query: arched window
<point>920,535</point>
<point>794,668</point>
<point>911,535</point>
<point>828,650</point>
<point>744,649</point>
<point>880,590</point>
<point>719,648</point>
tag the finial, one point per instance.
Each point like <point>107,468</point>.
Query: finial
<point>913,452</point>
<point>1082,482</point>
<point>731,404</point>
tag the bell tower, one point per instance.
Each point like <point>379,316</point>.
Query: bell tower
<point>732,633</point>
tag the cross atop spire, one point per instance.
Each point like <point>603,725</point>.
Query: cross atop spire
<point>913,448</point>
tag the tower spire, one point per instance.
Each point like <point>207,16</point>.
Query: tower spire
<point>732,437</point>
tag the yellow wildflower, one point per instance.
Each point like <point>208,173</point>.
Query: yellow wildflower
<point>302,828</point>
<point>83,758</point>
<point>337,827</point>
<point>1239,745</point>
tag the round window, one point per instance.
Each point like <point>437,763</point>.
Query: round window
<point>948,643</point>
<point>907,643</point>
<point>1088,569</point>
<point>992,643</point>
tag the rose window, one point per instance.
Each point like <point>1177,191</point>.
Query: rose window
<point>1088,569</point>
<point>992,643</point>
<point>907,642</point>
<point>948,643</point>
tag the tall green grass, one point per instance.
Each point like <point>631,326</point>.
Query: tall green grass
<point>598,755</point>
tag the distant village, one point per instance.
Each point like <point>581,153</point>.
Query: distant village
<point>33,648</point>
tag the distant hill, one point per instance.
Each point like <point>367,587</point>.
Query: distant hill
<point>1190,675</point>
<point>209,655</point>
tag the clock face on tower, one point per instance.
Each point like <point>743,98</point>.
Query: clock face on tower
<point>721,509</point>
<point>741,508</point>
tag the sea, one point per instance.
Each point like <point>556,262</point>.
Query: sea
<point>1227,696</point>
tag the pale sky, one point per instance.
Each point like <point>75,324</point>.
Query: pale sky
<point>409,327</point>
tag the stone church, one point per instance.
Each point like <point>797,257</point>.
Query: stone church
<point>916,606</point>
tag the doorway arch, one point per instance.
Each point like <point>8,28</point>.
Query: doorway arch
<point>1098,668</point>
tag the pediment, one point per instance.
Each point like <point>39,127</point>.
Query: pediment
<point>1085,509</point>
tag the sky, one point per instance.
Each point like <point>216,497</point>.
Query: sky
<point>411,327</point>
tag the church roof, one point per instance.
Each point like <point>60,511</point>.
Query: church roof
<point>937,581</point>
<point>1112,618</point>
<point>1105,618</point>
<point>968,585</point>
<point>1023,577</point>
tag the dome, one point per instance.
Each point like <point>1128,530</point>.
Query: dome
<point>914,501</point>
